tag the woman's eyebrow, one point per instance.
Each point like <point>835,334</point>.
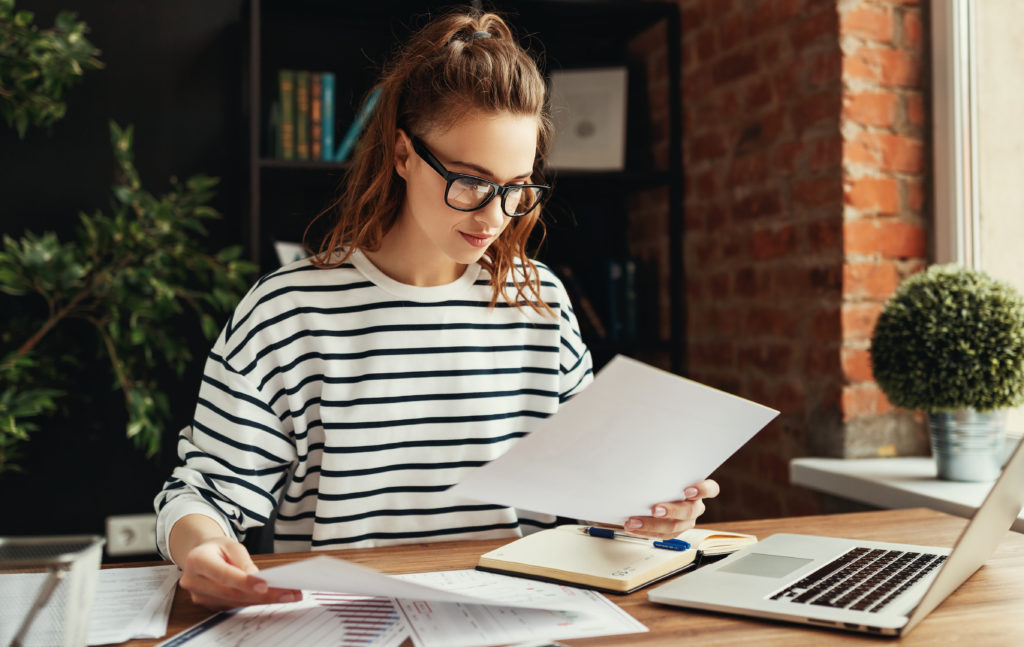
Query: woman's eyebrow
<point>483,171</point>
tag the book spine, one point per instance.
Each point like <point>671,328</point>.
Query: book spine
<point>286,88</point>
<point>349,142</point>
<point>315,117</point>
<point>327,112</point>
<point>302,115</point>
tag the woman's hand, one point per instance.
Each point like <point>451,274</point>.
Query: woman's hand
<point>673,517</point>
<point>219,574</point>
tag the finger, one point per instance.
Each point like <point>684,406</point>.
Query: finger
<point>709,488</point>
<point>217,563</point>
<point>687,510</point>
<point>214,595</point>
<point>657,528</point>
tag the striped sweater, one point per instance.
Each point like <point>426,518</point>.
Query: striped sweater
<point>348,403</point>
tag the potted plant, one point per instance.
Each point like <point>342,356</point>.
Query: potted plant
<point>950,342</point>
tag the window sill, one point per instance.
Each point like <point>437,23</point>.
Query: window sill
<point>891,483</point>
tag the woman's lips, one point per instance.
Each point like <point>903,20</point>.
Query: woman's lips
<point>477,240</point>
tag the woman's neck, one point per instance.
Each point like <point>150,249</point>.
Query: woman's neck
<point>405,259</point>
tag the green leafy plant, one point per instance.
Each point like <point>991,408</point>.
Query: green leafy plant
<point>131,275</point>
<point>951,338</point>
<point>37,66</point>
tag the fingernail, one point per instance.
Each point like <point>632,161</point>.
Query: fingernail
<point>660,511</point>
<point>634,523</point>
<point>260,586</point>
<point>691,492</point>
<point>290,597</point>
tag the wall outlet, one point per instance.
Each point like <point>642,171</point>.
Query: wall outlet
<point>131,534</point>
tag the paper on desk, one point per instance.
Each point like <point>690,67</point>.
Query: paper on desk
<point>324,573</point>
<point>635,437</point>
<point>131,603</point>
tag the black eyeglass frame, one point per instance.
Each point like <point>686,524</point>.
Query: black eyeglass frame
<point>497,189</point>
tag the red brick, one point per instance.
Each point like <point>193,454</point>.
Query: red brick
<point>733,31</point>
<point>870,280</point>
<point>856,364</point>
<point>748,169</point>
<point>825,153</point>
<point>786,156</point>
<point>707,147</point>
<point>761,320</point>
<point>862,400</point>
<point>706,47</point>
<point>858,320</point>
<point>881,195</point>
<point>815,108</point>
<point>889,237</point>
<point>825,325</point>
<point>820,27</point>
<point>789,398</point>
<point>895,153</point>
<point>734,67</point>
<point>765,245</point>
<point>825,236</point>
<point>761,205</point>
<point>915,195</point>
<point>825,68</point>
<point>705,185</point>
<point>818,192</point>
<point>915,109</point>
<point>913,31</point>
<point>821,361</point>
<point>867,22</point>
<point>759,94</point>
<point>871,108</point>
<point>884,65</point>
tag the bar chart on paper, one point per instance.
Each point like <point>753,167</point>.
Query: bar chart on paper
<point>319,620</point>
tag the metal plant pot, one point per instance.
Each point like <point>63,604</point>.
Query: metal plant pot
<point>968,444</point>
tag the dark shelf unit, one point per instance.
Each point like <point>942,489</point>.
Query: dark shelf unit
<point>587,215</point>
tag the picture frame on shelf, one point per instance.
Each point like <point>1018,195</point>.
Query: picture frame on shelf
<point>588,109</point>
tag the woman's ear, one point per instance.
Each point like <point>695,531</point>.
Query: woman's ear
<point>403,147</point>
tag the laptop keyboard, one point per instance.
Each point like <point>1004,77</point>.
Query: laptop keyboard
<point>862,579</point>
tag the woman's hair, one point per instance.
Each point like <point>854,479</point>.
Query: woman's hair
<point>446,70</point>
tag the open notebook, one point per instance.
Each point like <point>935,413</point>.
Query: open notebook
<point>567,554</point>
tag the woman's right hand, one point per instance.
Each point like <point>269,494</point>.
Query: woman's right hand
<point>218,572</point>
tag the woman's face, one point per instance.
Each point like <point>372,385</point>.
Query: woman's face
<point>497,147</point>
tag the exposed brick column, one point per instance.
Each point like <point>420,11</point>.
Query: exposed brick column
<point>805,160</point>
<point>884,173</point>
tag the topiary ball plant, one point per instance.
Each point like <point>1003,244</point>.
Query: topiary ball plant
<point>951,338</point>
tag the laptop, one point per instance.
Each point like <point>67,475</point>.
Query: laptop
<point>872,587</point>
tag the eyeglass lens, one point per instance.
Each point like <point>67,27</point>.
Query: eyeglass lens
<point>466,193</point>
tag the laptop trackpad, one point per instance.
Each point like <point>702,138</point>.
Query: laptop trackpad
<point>765,565</point>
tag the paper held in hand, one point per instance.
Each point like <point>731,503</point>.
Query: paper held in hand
<point>635,437</point>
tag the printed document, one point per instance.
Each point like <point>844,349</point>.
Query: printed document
<point>635,437</point>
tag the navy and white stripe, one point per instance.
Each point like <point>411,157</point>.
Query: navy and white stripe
<point>351,402</point>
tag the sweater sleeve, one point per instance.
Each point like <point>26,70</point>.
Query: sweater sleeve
<point>236,456</point>
<point>576,365</point>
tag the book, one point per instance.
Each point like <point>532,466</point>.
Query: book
<point>349,141</point>
<point>327,114</point>
<point>286,88</point>
<point>315,117</point>
<point>302,115</point>
<point>567,554</point>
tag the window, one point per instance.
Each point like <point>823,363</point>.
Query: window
<point>978,107</point>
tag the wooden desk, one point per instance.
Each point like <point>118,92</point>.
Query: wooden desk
<point>984,611</point>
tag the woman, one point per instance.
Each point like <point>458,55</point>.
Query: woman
<point>349,391</point>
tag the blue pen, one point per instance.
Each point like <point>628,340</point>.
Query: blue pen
<point>608,533</point>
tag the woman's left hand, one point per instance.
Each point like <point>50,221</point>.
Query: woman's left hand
<point>670,518</point>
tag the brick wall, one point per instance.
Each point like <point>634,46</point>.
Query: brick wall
<point>805,167</point>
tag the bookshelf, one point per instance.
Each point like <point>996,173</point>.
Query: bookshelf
<point>587,215</point>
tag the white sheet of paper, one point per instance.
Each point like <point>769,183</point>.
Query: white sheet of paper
<point>459,625</point>
<point>635,437</point>
<point>324,573</point>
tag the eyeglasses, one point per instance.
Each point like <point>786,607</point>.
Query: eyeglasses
<point>469,192</point>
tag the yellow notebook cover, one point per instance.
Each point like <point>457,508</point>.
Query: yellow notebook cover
<point>567,554</point>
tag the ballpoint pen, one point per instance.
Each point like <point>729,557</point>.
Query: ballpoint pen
<point>608,533</point>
